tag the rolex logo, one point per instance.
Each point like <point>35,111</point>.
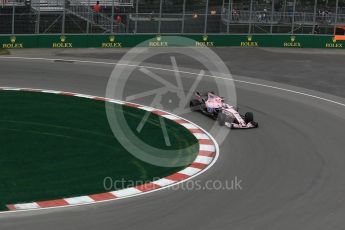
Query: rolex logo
<point>62,43</point>
<point>334,43</point>
<point>13,39</point>
<point>158,42</point>
<point>292,42</point>
<point>111,43</point>
<point>13,44</point>
<point>293,38</point>
<point>249,42</point>
<point>205,42</point>
<point>62,38</point>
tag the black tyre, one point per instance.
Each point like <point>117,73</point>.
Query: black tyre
<point>221,119</point>
<point>194,105</point>
<point>249,117</point>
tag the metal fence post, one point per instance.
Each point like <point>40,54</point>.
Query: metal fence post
<point>228,24</point>
<point>206,14</point>
<point>112,16</point>
<point>183,15</point>
<point>63,17</point>
<point>136,16</point>
<point>293,17</point>
<point>13,13</point>
<point>314,17</point>
<point>38,17</point>
<point>272,17</point>
<point>88,17</point>
<point>336,16</point>
<point>284,8</point>
<point>160,16</point>
<point>250,17</point>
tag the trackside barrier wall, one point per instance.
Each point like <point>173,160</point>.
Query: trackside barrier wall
<point>119,41</point>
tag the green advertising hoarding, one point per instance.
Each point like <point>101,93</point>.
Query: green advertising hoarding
<point>128,41</point>
<point>18,42</point>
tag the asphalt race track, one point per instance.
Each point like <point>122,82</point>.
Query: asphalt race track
<point>292,167</point>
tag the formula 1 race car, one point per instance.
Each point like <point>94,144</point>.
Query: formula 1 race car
<point>213,106</point>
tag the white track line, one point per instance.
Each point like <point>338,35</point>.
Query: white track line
<point>180,71</point>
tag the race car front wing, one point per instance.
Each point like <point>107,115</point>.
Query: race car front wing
<point>249,125</point>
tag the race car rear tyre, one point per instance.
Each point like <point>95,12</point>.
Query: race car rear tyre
<point>249,117</point>
<point>221,119</point>
<point>194,105</point>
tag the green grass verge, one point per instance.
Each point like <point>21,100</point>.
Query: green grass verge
<point>4,52</point>
<point>55,146</point>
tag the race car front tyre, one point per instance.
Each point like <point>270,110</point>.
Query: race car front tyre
<point>194,105</point>
<point>256,124</point>
<point>221,119</point>
<point>248,117</point>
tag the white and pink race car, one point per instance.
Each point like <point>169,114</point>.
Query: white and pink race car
<point>213,106</point>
